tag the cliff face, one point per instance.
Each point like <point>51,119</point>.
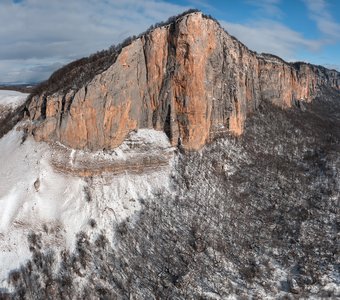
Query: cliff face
<point>190,79</point>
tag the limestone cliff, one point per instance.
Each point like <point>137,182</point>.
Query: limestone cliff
<point>189,78</point>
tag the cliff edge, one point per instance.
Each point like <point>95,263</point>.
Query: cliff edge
<point>190,79</point>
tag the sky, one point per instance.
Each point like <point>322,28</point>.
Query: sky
<point>39,36</point>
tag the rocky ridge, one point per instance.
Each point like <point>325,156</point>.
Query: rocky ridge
<point>190,79</point>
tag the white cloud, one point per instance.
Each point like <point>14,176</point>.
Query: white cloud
<point>27,70</point>
<point>202,3</point>
<point>37,36</point>
<point>269,7</point>
<point>62,30</point>
<point>319,11</point>
<point>271,37</point>
<point>267,35</point>
<point>333,67</point>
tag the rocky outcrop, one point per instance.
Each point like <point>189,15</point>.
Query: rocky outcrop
<point>142,152</point>
<point>189,78</point>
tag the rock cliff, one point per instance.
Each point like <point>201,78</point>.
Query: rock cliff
<point>189,78</point>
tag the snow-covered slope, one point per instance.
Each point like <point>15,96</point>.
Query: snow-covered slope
<point>12,98</point>
<point>34,197</point>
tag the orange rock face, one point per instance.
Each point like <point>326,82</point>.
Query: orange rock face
<point>190,79</point>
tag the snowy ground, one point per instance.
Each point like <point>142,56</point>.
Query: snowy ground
<point>35,197</point>
<point>12,98</point>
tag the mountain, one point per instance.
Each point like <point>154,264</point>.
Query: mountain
<point>188,78</point>
<point>177,165</point>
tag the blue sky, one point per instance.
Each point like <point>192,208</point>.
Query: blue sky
<point>38,36</point>
<point>307,30</point>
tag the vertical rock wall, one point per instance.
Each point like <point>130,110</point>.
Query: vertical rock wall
<point>190,79</point>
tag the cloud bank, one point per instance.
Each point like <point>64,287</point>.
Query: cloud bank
<point>38,35</point>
